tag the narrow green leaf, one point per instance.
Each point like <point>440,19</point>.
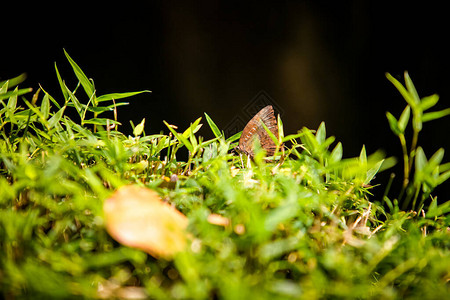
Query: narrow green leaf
<point>101,121</point>
<point>404,92</point>
<point>180,137</point>
<point>194,142</point>
<point>38,113</point>
<point>336,154</point>
<point>271,135</point>
<point>292,137</point>
<point>404,119</point>
<point>363,156</point>
<point>421,159</point>
<point>16,93</point>
<point>87,85</point>
<point>14,81</point>
<point>411,88</point>
<point>393,123</point>
<point>234,137</point>
<point>68,128</point>
<point>45,107</point>
<point>442,178</point>
<point>435,115</point>
<point>280,129</point>
<point>12,101</point>
<point>4,88</point>
<point>436,159</point>
<point>428,102</point>
<point>436,211</point>
<point>51,98</point>
<point>372,172</point>
<point>56,117</point>
<point>74,99</point>
<point>321,133</point>
<point>137,131</point>
<point>62,84</point>
<point>115,96</point>
<point>213,126</point>
<point>309,140</point>
<point>193,128</point>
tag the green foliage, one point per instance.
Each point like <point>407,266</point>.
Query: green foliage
<point>427,174</point>
<point>302,225</point>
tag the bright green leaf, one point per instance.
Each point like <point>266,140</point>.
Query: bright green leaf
<point>321,133</point>
<point>101,121</point>
<point>411,89</point>
<point>336,154</point>
<point>421,159</point>
<point>45,107</point>
<point>87,85</point>
<point>429,101</point>
<point>115,96</point>
<point>404,119</point>
<point>137,131</point>
<point>404,92</point>
<point>393,123</point>
<point>435,115</point>
<point>213,126</point>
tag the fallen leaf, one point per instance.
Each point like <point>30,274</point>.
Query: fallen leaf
<point>137,217</point>
<point>219,220</point>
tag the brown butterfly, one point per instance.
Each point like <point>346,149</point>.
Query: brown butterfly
<point>255,129</point>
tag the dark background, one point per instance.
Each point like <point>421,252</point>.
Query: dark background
<point>317,60</point>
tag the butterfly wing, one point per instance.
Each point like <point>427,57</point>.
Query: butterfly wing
<point>254,128</point>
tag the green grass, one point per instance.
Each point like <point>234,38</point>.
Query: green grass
<point>304,225</point>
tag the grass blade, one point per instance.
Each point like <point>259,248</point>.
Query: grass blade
<point>213,126</point>
<point>115,96</point>
<point>87,85</point>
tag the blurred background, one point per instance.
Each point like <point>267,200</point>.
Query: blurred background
<point>315,60</point>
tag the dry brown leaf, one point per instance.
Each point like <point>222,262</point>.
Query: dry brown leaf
<point>137,217</point>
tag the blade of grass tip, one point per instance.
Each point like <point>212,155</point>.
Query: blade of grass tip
<point>404,92</point>
<point>12,101</point>
<point>45,107</point>
<point>115,96</point>
<point>192,137</point>
<point>363,156</point>
<point>50,97</point>
<point>87,85</point>
<point>272,136</point>
<point>234,137</point>
<point>421,159</point>
<point>61,84</point>
<point>280,129</point>
<point>43,115</point>
<point>180,137</point>
<point>56,117</point>
<point>336,154</point>
<point>4,87</point>
<point>213,126</point>
<point>393,124</point>
<point>436,159</point>
<point>193,128</point>
<point>321,133</point>
<point>75,101</point>
<point>411,88</point>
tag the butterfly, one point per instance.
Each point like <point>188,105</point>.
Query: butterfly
<point>255,129</point>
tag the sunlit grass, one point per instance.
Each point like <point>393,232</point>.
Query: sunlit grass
<point>302,224</point>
